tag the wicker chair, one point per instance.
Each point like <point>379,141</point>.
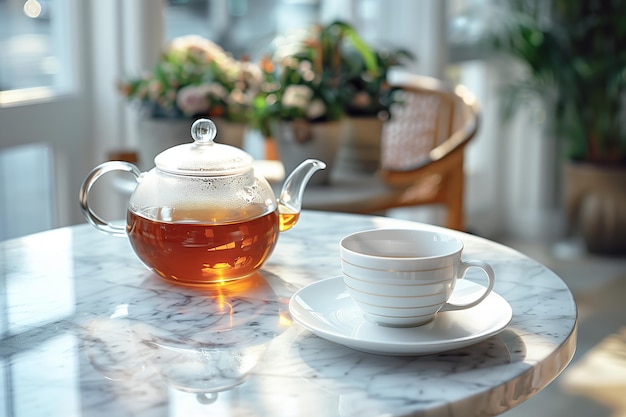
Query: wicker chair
<point>423,145</point>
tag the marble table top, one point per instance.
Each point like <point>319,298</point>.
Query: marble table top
<point>87,330</point>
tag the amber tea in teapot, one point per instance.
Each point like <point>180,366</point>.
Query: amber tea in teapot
<point>200,251</point>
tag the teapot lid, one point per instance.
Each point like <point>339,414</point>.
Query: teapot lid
<point>203,157</point>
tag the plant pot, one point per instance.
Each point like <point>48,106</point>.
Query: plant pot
<point>359,149</point>
<point>298,141</point>
<point>229,133</point>
<point>595,199</point>
<point>159,134</point>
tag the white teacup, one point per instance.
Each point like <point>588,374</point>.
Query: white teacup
<point>403,277</point>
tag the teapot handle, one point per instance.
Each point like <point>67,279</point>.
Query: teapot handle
<point>97,172</point>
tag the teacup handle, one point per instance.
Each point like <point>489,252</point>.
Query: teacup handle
<point>463,267</point>
<point>97,172</point>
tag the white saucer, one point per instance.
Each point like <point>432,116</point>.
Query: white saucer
<point>326,309</point>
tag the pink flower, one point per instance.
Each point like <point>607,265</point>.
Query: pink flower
<point>193,99</point>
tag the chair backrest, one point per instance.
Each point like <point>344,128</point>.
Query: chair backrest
<point>428,115</point>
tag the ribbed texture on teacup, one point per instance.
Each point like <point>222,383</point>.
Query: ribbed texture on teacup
<point>394,277</point>
<point>405,291</point>
<point>394,296</point>
<point>396,305</point>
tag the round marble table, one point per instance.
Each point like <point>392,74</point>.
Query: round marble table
<point>88,331</point>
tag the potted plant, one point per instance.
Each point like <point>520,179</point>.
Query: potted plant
<point>300,105</point>
<point>313,83</point>
<point>193,78</point>
<point>574,61</point>
<point>368,100</point>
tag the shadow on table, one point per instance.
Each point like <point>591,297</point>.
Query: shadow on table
<point>501,350</point>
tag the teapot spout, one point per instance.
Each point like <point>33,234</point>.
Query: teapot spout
<point>290,200</point>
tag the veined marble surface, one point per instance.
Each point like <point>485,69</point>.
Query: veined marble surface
<point>87,330</point>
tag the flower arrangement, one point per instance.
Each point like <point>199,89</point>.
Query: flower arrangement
<point>326,73</point>
<point>300,83</point>
<point>196,77</point>
<point>321,74</point>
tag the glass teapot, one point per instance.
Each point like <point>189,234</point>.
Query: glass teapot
<point>202,215</point>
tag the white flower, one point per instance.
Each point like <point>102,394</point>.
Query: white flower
<point>250,75</point>
<point>316,109</point>
<point>216,90</point>
<point>193,99</point>
<point>209,50</point>
<point>237,97</point>
<point>297,96</point>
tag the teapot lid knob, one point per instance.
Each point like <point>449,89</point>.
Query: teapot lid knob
<point>203,131</point>
<point>204,157</point>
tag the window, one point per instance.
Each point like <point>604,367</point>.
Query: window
<point>239,26</point>
<point>36,52</point>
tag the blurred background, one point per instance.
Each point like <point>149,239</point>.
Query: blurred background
<point>59,69</point>
<point>61,114</point>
